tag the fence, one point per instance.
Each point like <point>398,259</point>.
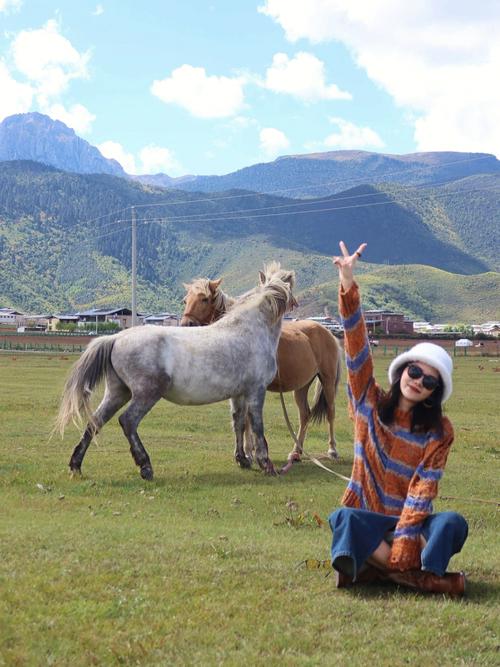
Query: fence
<point>389,349</point>
<point>8,345</point>
<point>392,350</point>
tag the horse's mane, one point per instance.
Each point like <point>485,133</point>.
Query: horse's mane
<point>275,290</point>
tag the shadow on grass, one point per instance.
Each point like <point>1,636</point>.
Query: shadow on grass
<point>480,591</point>
<point>163,478</point>
<point>476,592</point>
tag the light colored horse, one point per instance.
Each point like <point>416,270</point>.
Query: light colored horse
<point>306,350</point>
<point>235,358</point>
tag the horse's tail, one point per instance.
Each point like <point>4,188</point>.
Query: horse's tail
<point>84,376</point>
<point>319,409</point>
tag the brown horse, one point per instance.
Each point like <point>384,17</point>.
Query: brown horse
<point>306,350</point>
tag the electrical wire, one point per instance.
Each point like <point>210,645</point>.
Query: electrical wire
<point>284,190</point>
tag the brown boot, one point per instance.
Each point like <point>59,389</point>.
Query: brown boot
<point>451,584</point>
<point>367,575</point>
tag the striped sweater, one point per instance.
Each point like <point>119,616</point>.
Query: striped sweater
<point>394,471</point>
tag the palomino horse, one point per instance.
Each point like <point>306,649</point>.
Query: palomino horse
<point>236,359</point>
<point>306,350</point>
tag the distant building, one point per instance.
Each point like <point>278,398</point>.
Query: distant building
<point>422,327</point>
<point>488,328</point>
<point>122,316</point>
<point>11,316</point>
<point>162,319</point>
<point>387,322</point>
<point>37,322</point>
<point>55,320</point>
<point>329,322</point>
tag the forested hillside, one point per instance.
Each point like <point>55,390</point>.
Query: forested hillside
<point>65,238</point>
<point>421,292</point>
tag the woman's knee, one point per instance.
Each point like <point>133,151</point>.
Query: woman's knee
<point>461,526</point>
<point>341,516</point>
<point>457,522</point>
<point>454,525</point>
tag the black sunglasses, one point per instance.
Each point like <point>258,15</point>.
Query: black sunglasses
<point>429,381</point>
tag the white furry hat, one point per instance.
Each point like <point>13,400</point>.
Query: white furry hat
<point>431,354</point>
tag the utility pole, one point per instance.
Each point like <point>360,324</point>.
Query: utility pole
<point>134,268</point>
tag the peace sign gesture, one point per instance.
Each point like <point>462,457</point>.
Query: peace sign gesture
<point>346,264</point>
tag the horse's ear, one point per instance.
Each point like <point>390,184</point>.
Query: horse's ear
<point>262,278</point>
<point>214,285</point>
<point>186,286</point>
<point>289,277</point>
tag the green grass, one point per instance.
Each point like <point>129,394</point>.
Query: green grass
<point>199,567</point>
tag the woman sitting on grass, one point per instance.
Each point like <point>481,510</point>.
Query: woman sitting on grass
<point>386,529</point>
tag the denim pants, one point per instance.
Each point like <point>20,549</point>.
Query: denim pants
<point>357,533</point>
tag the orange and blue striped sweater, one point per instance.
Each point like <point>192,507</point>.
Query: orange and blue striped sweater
<point>395,471</point>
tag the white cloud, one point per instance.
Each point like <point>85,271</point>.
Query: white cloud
<point>114,150</point>
<point>156,159</point>
<point>49,62</point>
<point>202,95</point>
<point>153,159</point>
<point>16,97</point>
<point>302,76</point>
<point>6,5</point>
<point>77,117</point>
<point>98,10</point>
<point>273,141</point>
<point>48,59</point>
<point>350,136</point>
<point>438,59</point>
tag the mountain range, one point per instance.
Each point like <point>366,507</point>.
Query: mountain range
<point>432,237</point>
<point>317,175</point>
<point>35,136</point>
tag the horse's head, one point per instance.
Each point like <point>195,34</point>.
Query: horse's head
<point>201,302</point>
<point>279,283</point>
<point>274,275</point>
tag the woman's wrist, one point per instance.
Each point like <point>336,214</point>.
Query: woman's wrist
<point>347,282</point>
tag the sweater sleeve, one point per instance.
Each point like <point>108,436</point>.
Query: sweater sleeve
<point>406,547</point>
<point>357,348</point>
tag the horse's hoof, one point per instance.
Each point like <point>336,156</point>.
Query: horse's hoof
<point>332,454</point>
<point>75,473</point>
<point>147,472</point>
<point>268,467</point>
<point>294,457</point>
<point>243,462</point>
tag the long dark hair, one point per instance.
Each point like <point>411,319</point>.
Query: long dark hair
<point>425,416</point>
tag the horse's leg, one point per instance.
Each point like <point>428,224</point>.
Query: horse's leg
<point>249,444</point>
<point>300,396</point>
<point>129,420</point>
<point>239,416</point>
<point>255,409</point>
<point>116,395</point>
<point>329,394</point>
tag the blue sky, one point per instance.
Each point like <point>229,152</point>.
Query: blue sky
<point>210,87</point>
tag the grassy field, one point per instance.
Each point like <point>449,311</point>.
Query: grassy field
<point>201,566</point>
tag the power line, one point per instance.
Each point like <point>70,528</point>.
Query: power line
<point>405,196</point>
<point>284,190</point>
<point>231,215</point>
<point>324,183</point>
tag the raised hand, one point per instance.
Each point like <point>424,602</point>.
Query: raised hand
<point>346,264</point>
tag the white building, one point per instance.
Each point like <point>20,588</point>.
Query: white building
<point>11,316</point>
